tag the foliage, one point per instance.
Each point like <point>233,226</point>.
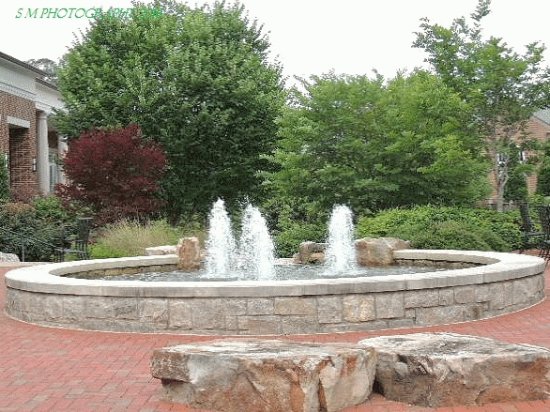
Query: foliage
<point>4,179</point>
<point>49,67</point>
<point>116,172</point>
<point>543,176</point>
<point>516,187</point>
<point>130,238</point>
<point>503,87</point>
<point>35,229</point>
<point>370,145</point>
<point>429,227</point>
<point>196,79</point>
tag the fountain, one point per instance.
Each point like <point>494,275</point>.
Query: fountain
<point>242,292</point>
<point>340,253</point>
<point>220,243</point>
<point>256,255</point>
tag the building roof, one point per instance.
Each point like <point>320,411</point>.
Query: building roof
<point>22,64</point>
<point>543,115</point>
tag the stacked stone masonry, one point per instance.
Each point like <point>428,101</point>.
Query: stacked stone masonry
<point>262,313</point>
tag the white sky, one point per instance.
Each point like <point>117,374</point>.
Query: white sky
<point>307,36</point>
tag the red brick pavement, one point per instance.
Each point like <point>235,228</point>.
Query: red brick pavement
<point>48,369</point>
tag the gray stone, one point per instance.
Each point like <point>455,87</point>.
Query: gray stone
<point>464,294</point>
<point>189,253</point>
<point>274,376</point>
<point>8,257</point>
<point>439,315</point>
<point>259,306</point>
<point>358,308</point>
<point>310,252</point>
<point>180,315</point>
<point>329,309</point>
<point>389,305</point>
<point>446,369</point>
<point>260,325</point>
<point>378,251</point>
<point>295,306</point>
<point>160,250</point>
<point>421,298</point>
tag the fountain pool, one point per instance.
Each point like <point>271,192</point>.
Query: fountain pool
<point>339,297</point>
<point>499,283</point>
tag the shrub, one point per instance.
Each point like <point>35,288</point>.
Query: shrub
<point>288,239</point>
<point>116,172</point>
<point>33,231</point>
<point>130,238</point>
<point>4,179</point>
<point>429,227</point>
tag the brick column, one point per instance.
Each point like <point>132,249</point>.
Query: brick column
<point>42,153</point>
<point>62,148</point>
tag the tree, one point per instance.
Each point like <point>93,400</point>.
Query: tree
<point>374,145</point>
<point>4,179</point>
<point>116,172</point>
<point>48,66</point>
<point>197,80</point>
<point>503,87</point>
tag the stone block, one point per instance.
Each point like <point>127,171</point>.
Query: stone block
<point>329,309</point>
<point>189,253</point>
<point>421,298</point>
<point>378,251</point>
<point>358,308</point>
<point>446,369</point>
<point>260,325</point>
<point>389,305</point>
<point>256,375</point>
<point>295,306</point>
<point>439,315</point>
<point>153,311</point>
<point>464,294</point>
<point>180,315</point>
<point>259,306</point>
<point>160,250</point>
<point>310,252</point>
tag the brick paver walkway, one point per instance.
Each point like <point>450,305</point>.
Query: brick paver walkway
<point>47,369</point>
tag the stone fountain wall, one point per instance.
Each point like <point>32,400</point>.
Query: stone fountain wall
<point>506,283</point>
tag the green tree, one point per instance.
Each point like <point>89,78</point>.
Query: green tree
<point>372,145</point>
<point>543,175</point>
<point>4,179</point>
<point>503,87</point>
<point>198,79</point>
<point>47,66</point>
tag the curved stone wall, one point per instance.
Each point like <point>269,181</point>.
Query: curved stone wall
<point>501,283</point>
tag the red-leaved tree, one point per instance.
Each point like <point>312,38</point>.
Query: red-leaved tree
<point>116,172</point>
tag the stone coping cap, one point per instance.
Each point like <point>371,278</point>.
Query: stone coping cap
<point>496,267</point>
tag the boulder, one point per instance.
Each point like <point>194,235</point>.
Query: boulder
<point>160,250</point>
<point>8,257</point>
<point>378,251</point>
<point>446,369</point>
<point>310,252</point>
<point>265,375</point>
<point>189,253</point>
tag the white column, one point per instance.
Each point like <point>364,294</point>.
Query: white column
<point>62,148</point>
<point>42,153</point>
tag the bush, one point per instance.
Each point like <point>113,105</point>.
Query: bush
<point>429,227</point>
<point>288,239</point>
<point>4,179</point>
<point>130,238</point>
<point>33,231</point>
<point>115,172</point>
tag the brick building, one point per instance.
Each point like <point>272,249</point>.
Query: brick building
<point>28,140</point>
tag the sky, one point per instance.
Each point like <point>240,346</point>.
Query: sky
<point>308,37</point>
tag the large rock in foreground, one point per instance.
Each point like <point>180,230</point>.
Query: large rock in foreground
<point>265,375</point>
<point>445,369</point>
